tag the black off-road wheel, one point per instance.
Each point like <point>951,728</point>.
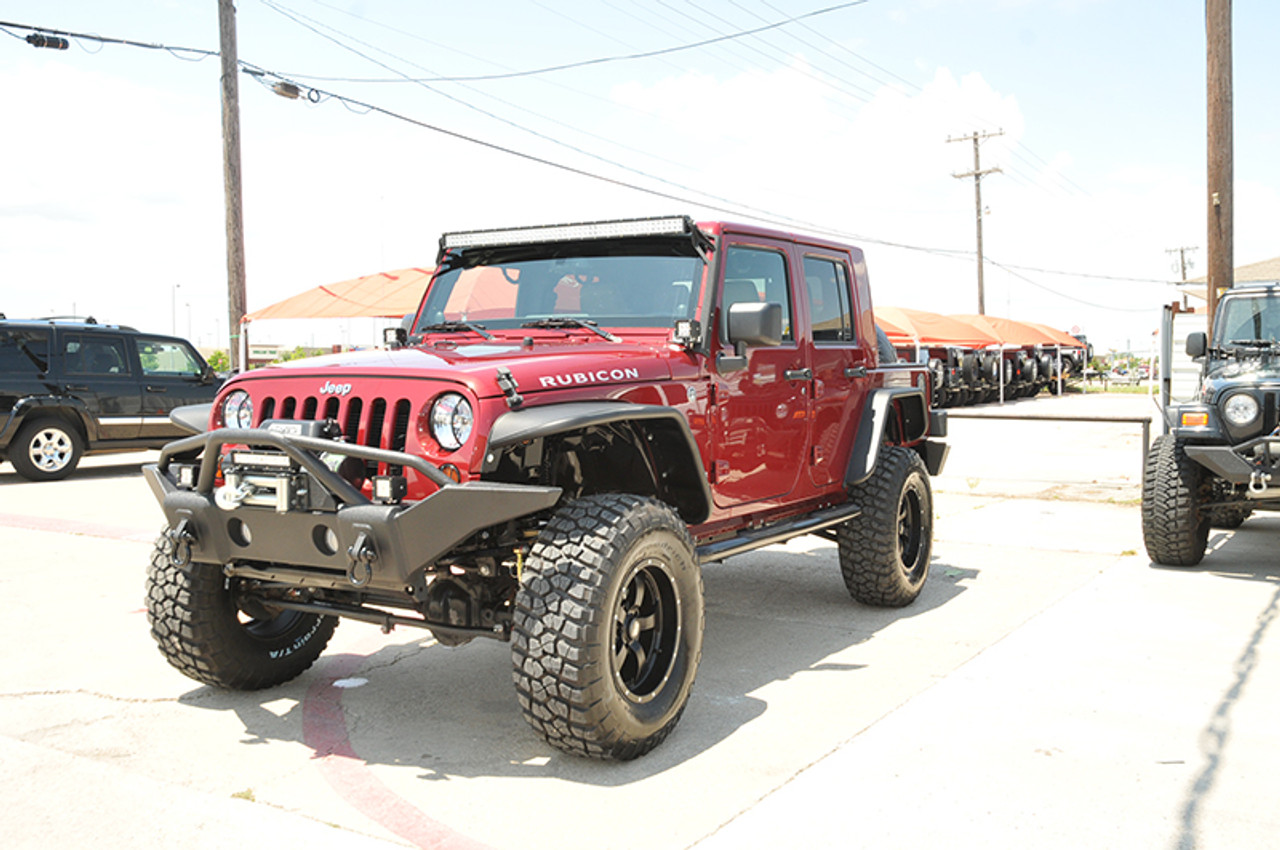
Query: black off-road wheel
<point>219,637</point>
<point>46,450</point>
<point>608,626</point>
<point>1175,528</point>
<point>884,552</point>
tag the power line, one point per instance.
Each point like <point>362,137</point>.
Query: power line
<point>647,54</point>
<point>732,208</point>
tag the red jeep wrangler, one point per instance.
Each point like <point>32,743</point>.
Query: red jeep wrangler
<point>580,416</point>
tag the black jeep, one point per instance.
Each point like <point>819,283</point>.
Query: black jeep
<point>70,388</point>
<point>1220,459</point>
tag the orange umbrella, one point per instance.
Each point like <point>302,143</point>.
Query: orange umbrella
<point>385,294</point>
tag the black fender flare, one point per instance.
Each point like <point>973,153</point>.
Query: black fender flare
<point>917,423</point>
<point>684,482</point>
<point>64,407</point>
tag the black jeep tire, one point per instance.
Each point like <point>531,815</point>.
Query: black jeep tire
<point>1174,528</point>
<point>1229,518</point>
<point>885,551</point>
<point>46,450</point>
<point>608,626</point>
<point>201,629</point>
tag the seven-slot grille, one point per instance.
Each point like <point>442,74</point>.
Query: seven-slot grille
<point>379,423</point>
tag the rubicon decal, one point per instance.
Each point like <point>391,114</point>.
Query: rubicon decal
<point>331,388</point>
<point>599,376</point>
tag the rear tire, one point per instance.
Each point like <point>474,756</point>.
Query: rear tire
<point>46,450</point>
<point>608,626</point>
<point>205,632</point>
<point>885,552</point>
<point>1174,527</point>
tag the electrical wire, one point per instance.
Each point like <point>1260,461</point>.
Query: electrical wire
<point>647,54</point>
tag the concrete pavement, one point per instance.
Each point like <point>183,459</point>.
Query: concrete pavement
<point>1049,689</point>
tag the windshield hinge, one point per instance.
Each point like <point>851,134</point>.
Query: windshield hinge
<point>507,383</point>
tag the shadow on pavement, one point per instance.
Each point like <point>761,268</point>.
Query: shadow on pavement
<point>452,713</point>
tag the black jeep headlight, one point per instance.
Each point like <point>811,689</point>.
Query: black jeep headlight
<point>450,421</point>
<point>1240,409</point>
<point>237,410</point>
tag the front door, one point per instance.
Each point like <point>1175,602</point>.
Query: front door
<point>762,410</point>
<point>96,370</point>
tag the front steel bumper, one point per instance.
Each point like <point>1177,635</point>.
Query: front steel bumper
<point>1255,463</point>
<point>351,542</point>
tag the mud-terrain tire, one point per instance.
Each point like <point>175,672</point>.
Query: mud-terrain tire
<point>885,551</point>
<point>1174,528</point>
<point>201,629</point>
<point>46,450</point>
<point>608,626</point>
<point>1228,518</point>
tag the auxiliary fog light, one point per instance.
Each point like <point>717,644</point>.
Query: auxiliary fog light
<point>389,489</point>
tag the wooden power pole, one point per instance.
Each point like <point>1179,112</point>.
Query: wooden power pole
<point>231,180</point>
<point>977,174</point>
<point>1221,245</point>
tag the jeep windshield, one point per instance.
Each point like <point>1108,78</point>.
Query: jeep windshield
<point>652,284</point>
<point>1248,321</point>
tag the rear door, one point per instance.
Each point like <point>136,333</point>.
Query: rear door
<point>841,363</point>
<point>97,369</point>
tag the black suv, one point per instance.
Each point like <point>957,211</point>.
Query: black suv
<point>1220,459</point>
<point>68,388</point>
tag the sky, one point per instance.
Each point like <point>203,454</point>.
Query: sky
<point>841,123</point>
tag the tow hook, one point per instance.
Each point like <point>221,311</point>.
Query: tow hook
<point>1258,481</point>
<point>179,540</point>
<point>361,556</point>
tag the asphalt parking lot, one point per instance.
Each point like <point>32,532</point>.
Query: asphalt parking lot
<point>1050,688</point>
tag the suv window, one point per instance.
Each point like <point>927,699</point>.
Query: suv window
<point>165,357</point>
<point>827,284</point>
<point>24,352</point>
<point>757,274</point>
<point>85,354</point>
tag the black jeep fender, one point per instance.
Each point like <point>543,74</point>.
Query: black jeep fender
<point>676,468</point>
<point>70,410</point>
<point>912,421</point>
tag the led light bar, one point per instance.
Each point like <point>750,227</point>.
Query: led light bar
<point>260,459</point>
<point>667,226</point>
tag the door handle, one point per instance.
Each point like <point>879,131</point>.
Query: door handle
<point>152,389</point>
<point>76,388</point>
<point>798,374</point>
<point>855,371</point>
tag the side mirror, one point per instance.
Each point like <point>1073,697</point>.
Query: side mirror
<point>750,323</point>
<point>1197,344</point>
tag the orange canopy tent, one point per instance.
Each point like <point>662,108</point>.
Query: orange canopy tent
<point>1009,331</point>
<point>923,327</point>
<point>385,295</point>
<point>1061,338</point>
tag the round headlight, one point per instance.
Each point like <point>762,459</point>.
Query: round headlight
<point>1240,409</point>
<point>237,410</point>
<point>451,421</point>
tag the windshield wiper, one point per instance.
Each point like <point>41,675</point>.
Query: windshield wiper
<point>570,322</point>
<point>457,326</point>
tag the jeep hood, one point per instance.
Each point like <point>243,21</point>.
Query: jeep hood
<point>542,366</point>
<point>1249,371</point>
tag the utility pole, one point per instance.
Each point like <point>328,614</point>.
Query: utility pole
<point>977,174</point>
<point>1221,275</point>
<point>1183,263</point>
<point>231,180</point>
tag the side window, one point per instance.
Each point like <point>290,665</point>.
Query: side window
<point>164,357</point>
<point>24,353</point>
<point>757,274</point>
<point>827,284</point>
<point>94,355</point>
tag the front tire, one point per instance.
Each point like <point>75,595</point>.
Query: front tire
<point>1175,529</point>
<point>46,450</point>
<point>608,626</point>
<point>212,635</point>
<point>885,552</point>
